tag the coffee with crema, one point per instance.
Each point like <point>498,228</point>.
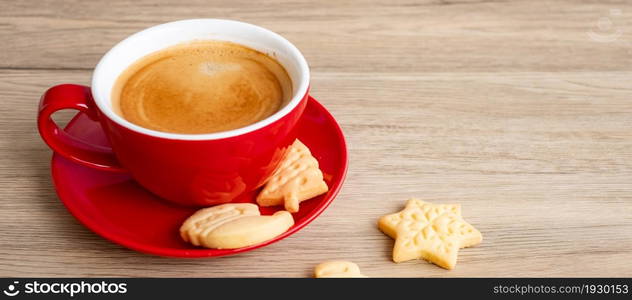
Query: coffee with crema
<point>201,87</point>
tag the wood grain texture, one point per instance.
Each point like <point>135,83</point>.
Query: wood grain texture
<point>511,108</point>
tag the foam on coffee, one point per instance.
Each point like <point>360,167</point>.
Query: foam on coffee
<point>201,87</point>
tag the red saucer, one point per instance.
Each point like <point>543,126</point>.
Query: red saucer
<point>118,209</point>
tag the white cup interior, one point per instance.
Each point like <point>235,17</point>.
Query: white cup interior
<point>152,39</point>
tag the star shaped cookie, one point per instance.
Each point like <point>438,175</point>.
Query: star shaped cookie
<point>297,178</point>
<point>434,232</point>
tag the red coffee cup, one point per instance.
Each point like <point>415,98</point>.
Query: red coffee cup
<point>188,169</point>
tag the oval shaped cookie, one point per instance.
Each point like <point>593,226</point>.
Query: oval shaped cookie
<point>249,230</point>
<point>338,269</point>
<point>198,226</point>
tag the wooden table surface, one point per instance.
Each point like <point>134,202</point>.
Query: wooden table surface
<point>519,110</point>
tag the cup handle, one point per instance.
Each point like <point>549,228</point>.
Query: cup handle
<point>72,96</point>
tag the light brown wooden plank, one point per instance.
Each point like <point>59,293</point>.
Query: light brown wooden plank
<point>541,162</point>
<point>350,36</point>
